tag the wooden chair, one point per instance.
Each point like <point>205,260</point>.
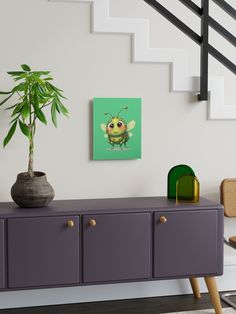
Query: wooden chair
<point>228,199</point>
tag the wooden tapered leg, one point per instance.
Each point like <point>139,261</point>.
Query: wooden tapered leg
<point>214,294</point>
<point>195,287</point>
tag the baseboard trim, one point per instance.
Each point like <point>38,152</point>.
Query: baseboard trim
<point>68,295</point>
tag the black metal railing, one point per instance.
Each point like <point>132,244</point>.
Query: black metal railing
<point>203,39</point>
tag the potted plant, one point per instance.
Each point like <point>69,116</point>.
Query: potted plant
<point>35,93</point>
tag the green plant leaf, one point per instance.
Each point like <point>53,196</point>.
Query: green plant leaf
<point>41,72</point>
<point>25,111</point>
<point>42,97</point>
<point>10,134</point>
<point>40,81</point>
<point>19,78</point>
<point>19,88</point>
<point>15,73</point>
<point>24,129</point>
<point>48,79</point>
<point>58,108</point>
<point>62,109</point>
<point>35,94</point>
<point>54,113</point>
<point>60,94</point>
<point>25,67</point>
<point>38,112</point>
<point>55,90</point>
<point>6,99</point>
<point>41,116</point>
<point>40,90</point>
<point>35,102</point>
<point>17,109</point>
<point>53,87</point>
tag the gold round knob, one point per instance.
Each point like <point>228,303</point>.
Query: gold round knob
<point>163,219</point>
<point>92,222</point>
<point>70,223</point>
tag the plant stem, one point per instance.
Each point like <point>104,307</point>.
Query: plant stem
<point>31,152</point>
<point>31,141</point>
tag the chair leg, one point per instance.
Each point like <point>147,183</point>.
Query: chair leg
<point>214,294</point>
<point>195,287</point>
<point>225,297</point>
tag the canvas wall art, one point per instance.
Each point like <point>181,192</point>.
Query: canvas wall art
<point>116,128</point>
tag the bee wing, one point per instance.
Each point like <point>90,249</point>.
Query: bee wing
<point>130,134</point>
<point>131,125</point>
<point>103,127</point>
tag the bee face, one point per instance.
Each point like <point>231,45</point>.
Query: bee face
<point>116,126</point>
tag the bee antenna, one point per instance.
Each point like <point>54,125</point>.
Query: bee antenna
<point>124,108</point>
<point>107,113</point>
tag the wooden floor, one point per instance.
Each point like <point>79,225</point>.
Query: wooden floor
<point>134,306</point>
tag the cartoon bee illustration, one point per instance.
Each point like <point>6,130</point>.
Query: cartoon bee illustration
<point>117,130</point>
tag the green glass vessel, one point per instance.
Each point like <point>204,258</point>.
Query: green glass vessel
<point>187,189</point>
<point>173,176</point>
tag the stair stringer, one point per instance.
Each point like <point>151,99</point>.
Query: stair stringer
<point>180,80</point>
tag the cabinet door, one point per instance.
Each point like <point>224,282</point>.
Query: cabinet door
<point>116,247</point>
<point>43,251</point>
<point>188,243</point>
<point>2,254</point>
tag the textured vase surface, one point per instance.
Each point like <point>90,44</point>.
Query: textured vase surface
<point>32,191</point>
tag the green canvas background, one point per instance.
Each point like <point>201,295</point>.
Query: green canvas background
<point>101,147</point>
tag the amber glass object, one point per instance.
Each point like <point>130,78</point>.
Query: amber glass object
<point>187,189</point>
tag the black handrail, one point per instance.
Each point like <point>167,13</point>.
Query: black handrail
<point>226,7</point>
<point>174,20</point>
<point>212,22</point>
<point>222,31</point>
<point>192,6</point>
<point>206,48</point>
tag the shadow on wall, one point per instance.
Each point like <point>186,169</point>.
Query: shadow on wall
<point>90,130</point>
<point>212,196</point>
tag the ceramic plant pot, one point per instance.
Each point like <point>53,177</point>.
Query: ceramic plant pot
<point>32,191</point>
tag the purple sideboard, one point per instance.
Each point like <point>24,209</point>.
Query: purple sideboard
<point>42,251</point>
<point>2,254</point>
<point>93,241</point>
<point>191,238</point>
<point>117,248</point>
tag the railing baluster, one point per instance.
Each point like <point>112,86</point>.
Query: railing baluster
<point>202,40</point>
<point>204,51</point>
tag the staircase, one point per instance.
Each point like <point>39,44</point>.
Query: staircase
<point>180,80</point>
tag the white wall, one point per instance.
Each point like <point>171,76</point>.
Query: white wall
<point>57,37</point>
